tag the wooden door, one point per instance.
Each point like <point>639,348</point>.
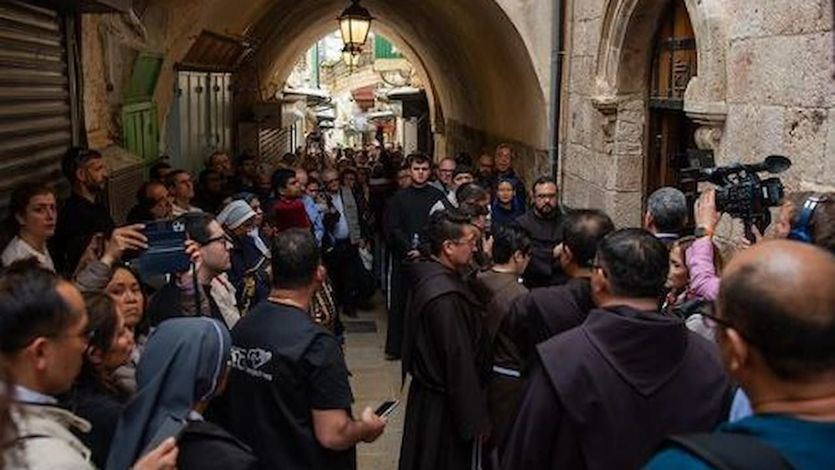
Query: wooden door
<point>670,131</point>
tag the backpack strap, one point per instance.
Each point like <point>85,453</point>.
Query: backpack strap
<point>730,451</point>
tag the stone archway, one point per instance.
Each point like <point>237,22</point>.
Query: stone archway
<point>487,84</point>
<point>484,87</point>
<point>621,82</point>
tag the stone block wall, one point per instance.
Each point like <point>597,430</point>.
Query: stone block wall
<point>529,162</point>
<point>766,81</point>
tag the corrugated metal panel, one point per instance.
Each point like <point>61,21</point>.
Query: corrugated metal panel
<point>205,113</point>
<point>35,120</point>
<point>220,106</point>
<point>122,187</point>
<point>272,144</point>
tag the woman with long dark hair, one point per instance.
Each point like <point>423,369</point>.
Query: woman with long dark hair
<point>96,395</point>
<point>31,223</point>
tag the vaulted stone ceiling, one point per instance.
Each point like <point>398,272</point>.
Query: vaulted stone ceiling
<point>473,57</point>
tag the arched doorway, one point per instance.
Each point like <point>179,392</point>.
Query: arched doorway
<point>625,69</point>
<point>671,132</point>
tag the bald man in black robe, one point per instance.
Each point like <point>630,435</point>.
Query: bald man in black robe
<point>606,394</point>
<point>447,353</point>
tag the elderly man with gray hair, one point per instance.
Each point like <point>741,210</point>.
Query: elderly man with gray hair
<point>666,214</point>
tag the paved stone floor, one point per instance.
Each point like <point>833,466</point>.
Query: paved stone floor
<point>374,381</point>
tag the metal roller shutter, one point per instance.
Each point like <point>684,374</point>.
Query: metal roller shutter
<point>36,125</point>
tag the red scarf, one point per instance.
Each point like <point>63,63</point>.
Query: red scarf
<point>290,213</point>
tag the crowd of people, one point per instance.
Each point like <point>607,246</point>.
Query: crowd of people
<point>535,335</point>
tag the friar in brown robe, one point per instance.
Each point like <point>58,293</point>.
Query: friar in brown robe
<point>605,394</point>
<point>499,287</point>
<point>447,354</point>
<point>548,311</point>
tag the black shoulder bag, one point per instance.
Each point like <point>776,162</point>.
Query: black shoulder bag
<point>729,451</point>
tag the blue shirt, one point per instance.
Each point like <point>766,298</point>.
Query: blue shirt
<point>315,217</point>
<point>804,444</point>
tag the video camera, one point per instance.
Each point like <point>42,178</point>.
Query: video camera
<point>740,191</point>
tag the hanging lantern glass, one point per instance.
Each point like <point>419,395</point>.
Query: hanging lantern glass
<point>354,24</point>
<point>351,56</point>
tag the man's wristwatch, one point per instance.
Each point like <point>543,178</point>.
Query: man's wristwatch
<point>703,232</point>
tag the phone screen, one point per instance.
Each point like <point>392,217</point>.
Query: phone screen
<point>166,251</point>
<point>386,408</point>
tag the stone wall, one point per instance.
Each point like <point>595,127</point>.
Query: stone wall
<point>530,162</point>
<point>99,120</point>
<point>764,87</point>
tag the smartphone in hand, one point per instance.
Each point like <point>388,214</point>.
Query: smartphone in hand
<point>166,251</point>
<point>386,408</point>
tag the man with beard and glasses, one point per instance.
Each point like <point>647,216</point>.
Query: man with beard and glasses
<point>543,224</point>
<point>83,215</point>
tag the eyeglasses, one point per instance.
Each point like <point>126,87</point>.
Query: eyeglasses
<point>470,242</point>
<point>225,238</point>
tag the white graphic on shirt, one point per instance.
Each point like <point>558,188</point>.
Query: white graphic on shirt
<point>251,360</point>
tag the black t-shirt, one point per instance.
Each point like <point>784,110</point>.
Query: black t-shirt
<point>78,220</point>
<point>283,367</point>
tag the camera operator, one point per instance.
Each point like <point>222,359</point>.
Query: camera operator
<point>804,216</point>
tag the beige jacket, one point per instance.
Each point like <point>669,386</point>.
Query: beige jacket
<point>45,440</point>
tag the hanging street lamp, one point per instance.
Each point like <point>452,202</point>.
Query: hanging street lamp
<point>354,24</point>
<point>351,56</point>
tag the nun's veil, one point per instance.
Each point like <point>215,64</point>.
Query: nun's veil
<point>180,366</point>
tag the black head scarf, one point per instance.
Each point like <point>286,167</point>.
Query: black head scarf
<point>181,365</point>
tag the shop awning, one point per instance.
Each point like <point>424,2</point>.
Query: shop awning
<point>213,52</point>
<point>364,97</point>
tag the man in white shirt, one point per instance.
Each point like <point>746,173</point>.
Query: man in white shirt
<point>181,191</point>
<point>461,176</point>
<point>346,236</point>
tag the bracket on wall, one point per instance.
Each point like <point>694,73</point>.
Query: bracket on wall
<point>606,104</point>
<point>711,120</point>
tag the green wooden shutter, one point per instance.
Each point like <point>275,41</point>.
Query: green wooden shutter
<point>140,127</point>
<point>383,49</point>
